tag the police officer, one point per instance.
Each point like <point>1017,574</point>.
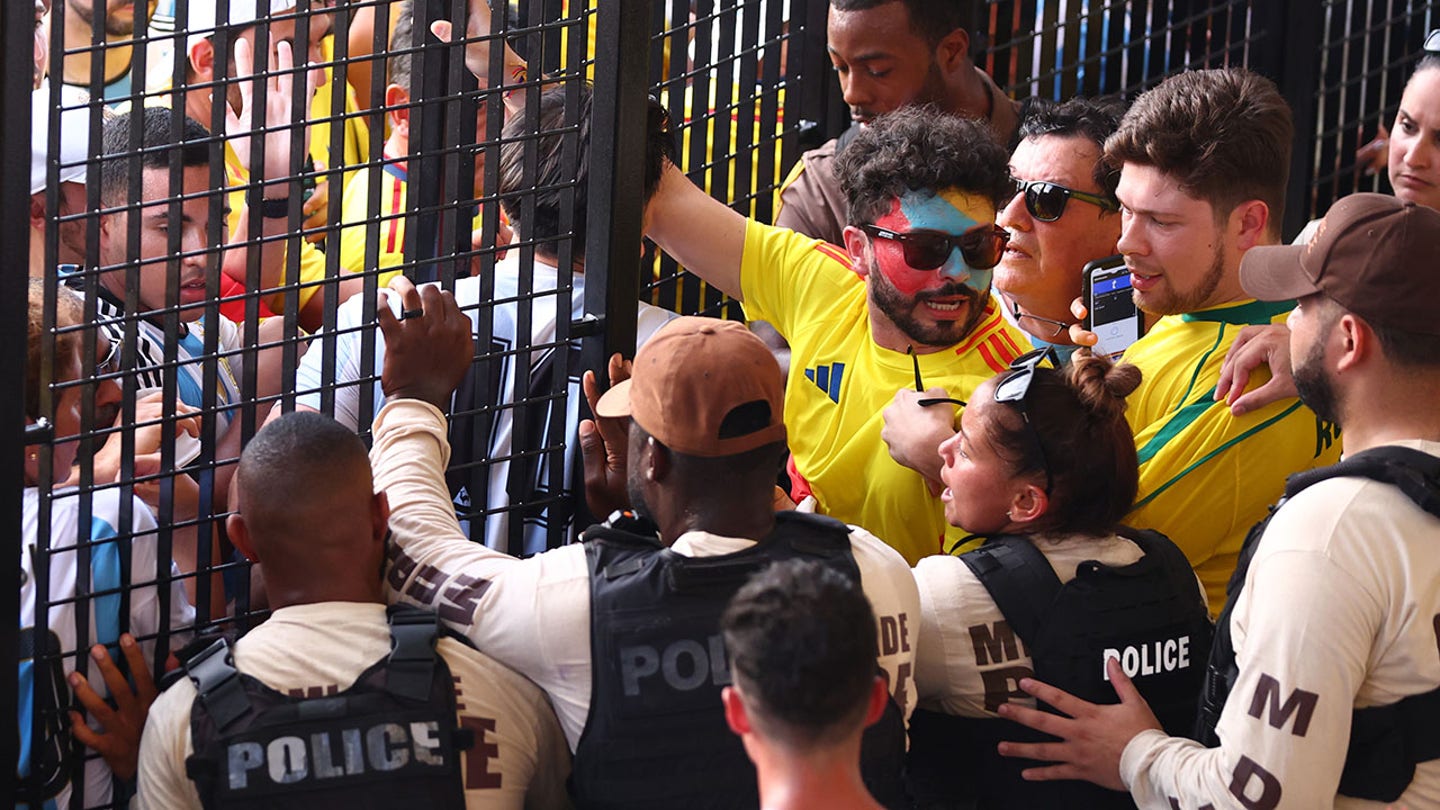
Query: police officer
<point>622,631</point>
<point>1330,666</point>
<point>493,741</point>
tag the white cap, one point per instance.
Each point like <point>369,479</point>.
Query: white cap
<point>74,141</point>
<point>201,17</point>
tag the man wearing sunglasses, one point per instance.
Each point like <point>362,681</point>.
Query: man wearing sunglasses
<point>1063,214</point>
<point>890,54</point>
<point>905,307</point>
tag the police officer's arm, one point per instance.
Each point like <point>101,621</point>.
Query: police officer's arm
<point>161,782</point>
<point>703,234</point>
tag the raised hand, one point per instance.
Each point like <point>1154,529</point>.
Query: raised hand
<point>428,348</point>
<point>604,444</point>
<point>118,739</point>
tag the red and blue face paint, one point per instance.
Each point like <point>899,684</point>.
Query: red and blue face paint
<point>949,212</point>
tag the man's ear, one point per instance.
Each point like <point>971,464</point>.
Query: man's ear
<point>239,535</point>
<point>397,100</point>
<point>202,60</point>
<point>1250,221</point>
<point>657,460</point>
<point>953,52</point>
<point>380,516</point>
<point>879,699</point>
<point>857,245</point>
<point>1356,342</point>
<point>735,716</point>
<point>37,211</point>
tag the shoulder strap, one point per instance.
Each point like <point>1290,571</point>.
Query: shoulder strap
<point>1019,578</point>
<point>217,683</point>
<point>1413,472</point>
<point>411,665</point>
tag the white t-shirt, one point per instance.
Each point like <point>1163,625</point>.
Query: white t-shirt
<point>101,620</point>
<point>534,614</point>
<point>321,649</point>
<point>543,399</point>
<point>1339,611</point>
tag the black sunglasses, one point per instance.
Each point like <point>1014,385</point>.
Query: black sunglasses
<point>1014,387</point>
<point>1046,200</point>
<point>981,246</point>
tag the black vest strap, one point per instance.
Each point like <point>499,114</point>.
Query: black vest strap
<point>412,651</point>
<point>1027,590</point>
<point>217,683</point>
<point>1386,742</point>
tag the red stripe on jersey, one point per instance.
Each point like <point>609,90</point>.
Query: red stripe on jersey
<point>1007,345</point>
<point>834,252</point>
<point>988,355</point>
<point>395,189</point>
<point>981,332</point>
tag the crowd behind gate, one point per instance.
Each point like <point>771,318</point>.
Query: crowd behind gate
<point>1042,472</point>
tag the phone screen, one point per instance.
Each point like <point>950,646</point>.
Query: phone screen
<point>1113,315</point>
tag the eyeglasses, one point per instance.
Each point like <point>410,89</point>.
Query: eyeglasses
<point>1432,41</point>
<point>1044,327</point>
<point>980,246</point>
<point>1014,387</point>
<point>1046,201</point>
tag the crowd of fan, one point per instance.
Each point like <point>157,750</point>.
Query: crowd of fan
<point>1005,567</point>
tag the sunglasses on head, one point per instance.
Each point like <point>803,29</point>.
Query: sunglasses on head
<point>1046,200</point>
<point>1432,42</point>
<point>981,246</point>
<point>1014,387</point>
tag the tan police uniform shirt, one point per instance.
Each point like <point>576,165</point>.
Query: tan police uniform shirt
<point>519,759</point>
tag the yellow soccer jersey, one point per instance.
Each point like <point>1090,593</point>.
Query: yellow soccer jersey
<point>355,208</point>
<point>355,140</point>
<point>1206,476</point>
<point>841,381</point>
<point>312,261</point>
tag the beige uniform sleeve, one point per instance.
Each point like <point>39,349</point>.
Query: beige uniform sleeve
<point>519,758</point>
<point>162,782</point>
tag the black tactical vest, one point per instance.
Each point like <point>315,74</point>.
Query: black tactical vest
<point>1386,742</point>
<point>656,735</point>
<point>1150,614</point>
<point>388,741</point>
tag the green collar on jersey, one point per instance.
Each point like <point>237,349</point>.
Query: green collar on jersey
<point>1254,313</point>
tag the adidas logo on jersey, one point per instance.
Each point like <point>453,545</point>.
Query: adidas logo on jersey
<point>827,378</point>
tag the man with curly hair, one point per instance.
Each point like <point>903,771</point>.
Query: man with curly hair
<point>904,306</point>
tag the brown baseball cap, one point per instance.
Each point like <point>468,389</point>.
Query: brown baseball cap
<point>1373,254</point>
<point>703,387</point>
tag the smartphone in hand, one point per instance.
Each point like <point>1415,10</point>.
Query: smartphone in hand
<point>1113,316</point>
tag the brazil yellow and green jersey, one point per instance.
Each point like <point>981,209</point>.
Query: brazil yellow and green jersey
<point>312,261</point>
<point>841,381</point>
<point>390,230</point>
<point>1207,476</point>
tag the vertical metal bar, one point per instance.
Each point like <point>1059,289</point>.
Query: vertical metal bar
<point>1291,32</point>
<point>617,153</point>
<point>17,25</point>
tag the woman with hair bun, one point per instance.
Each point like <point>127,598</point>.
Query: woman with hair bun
<point>1044,469</point>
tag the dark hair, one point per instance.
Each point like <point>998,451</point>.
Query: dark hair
<point>1408,349</point>
<point>1094,119</point>
<point>801,641</point>
<point>932,20</point>
<point>919,149</point>
<point>1078,413</point>
<point>1225,134</point>
<point>553,175</point>
<point>402,46</point>
<point>157,144</point>
<point>68,313</point>
<point>288,456</point>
